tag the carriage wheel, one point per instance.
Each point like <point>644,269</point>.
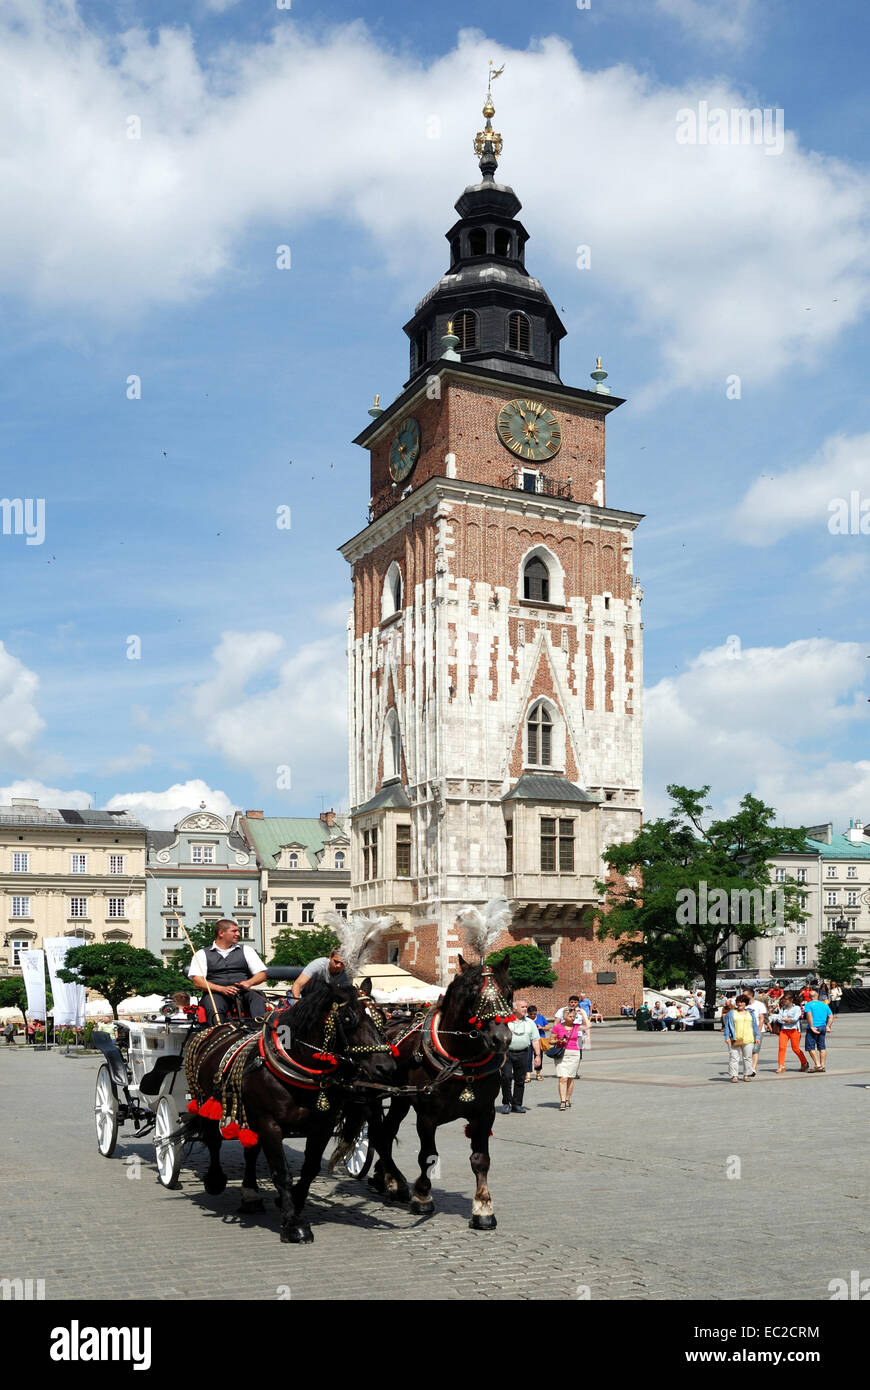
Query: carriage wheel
<point>168,1143</point>
<point>361,1156</point>
<point>106,1113</point>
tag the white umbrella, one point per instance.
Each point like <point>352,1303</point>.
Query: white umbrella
<point>141,1004</point>
<point>98,1008</point>
<point>7,1014</point>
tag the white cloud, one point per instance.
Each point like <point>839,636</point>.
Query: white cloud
<point>803,496</point>
<point>20,721</point>
<point>161,810</point>
<point>46,796</point>
<point>713,21</point>
<point>310,126</point>
<point>763,720</point>
<point>295,716</point>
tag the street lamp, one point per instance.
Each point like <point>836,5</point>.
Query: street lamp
<point>841,926</point>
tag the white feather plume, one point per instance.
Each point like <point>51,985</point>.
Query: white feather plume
<point>482,929</point>
<point>358,935</point>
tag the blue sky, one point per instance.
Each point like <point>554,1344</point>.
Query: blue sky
<point>310,127</point>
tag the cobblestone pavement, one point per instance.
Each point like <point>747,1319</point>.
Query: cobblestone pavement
<point>625,1196</point>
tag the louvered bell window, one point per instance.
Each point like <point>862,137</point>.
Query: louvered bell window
<point>519,336</point>
<point>465,328</point>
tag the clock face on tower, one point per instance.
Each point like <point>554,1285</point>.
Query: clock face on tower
<point>529,430</point>
<point>405,449</point>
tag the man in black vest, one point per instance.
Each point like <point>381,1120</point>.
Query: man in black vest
<point>231,970</point>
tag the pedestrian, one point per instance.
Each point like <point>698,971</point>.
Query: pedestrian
<point>573,1003</point>
<point>9,1034</point>
<point>741,1033</point>
<point>823,992</point>
<point>759,1008</point>
<point>30,1031</point>
<point>572,1032</point>
<point>836,997</point>
<point>790,1033</point>
<point>535,1063</point>
<point>513,1072</point>
<point>818,1015</point>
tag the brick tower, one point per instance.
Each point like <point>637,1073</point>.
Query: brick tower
<point>495,646</point>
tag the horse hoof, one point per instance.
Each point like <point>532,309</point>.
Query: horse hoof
<point>422,1208</point>
<point>377,1184</point>
<point>401,1194</point>
<point>297,1235</point>
<point>248,1208</point>
<point>483,1223</point>
<point>215,1186</point>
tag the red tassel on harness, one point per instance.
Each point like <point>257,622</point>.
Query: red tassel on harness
<point>473,1019</point>
<point>211,1110</point>
<point>231,1131</point>
<point>248,1138</point>
<point>394,1051</point>
<point>193,1107</point>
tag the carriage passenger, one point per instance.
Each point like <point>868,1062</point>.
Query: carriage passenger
<point>229,969</point>
<point>330,968</point>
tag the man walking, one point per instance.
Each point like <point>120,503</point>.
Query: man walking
<point>759,1008</point>
<point>818,1015</point>
<point>524,1034</point>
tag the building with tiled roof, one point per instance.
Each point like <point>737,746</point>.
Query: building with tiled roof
<point>304,864</point>
<point>836,871</point>
<point>66,872</point>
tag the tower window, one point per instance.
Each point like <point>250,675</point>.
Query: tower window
<point>477,242</point>
<point>503,244</point>
<point>509,846</point>
<point>403,851</point>
<point>421,347</point>
<point>540,737</point>
<point>391,595</point>
<point>455,253</point>
<point>465,328</point>
<point>392,747</point>
<point>536,581</point>
<point>519,333</point>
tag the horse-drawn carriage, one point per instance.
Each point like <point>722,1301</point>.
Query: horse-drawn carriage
<point>330,1066</point>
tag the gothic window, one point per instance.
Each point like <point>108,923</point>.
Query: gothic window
<point>465,328</point>
<point>370,853</point>
<point>477,242</point>
<point>536,580</point>
<point>391,597</point>
<point>403,851</point>
<point>540,737</point>
<point>519,333</point>
<point>509,846</point>
<point>392,747</point>
<point>503,244</point>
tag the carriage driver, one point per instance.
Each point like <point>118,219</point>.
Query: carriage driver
<point>231,969</point>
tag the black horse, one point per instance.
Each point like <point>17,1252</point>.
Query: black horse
<point>454,1056</point>
<point>291,1078</point>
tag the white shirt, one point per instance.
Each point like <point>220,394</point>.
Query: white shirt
<point>199,964</point>
<point>759,1010</point>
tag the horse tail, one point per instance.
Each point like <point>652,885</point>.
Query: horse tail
<point>348,1133</point>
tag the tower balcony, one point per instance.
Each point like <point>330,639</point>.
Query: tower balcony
<point>530,480</point>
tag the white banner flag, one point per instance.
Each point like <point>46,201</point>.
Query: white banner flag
<point>69,1000</point>
<point>33,973</point>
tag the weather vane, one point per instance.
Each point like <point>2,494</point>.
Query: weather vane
<point>487,142</point>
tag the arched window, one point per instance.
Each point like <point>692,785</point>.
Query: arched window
<point>477,242</point>
<point>539,733</point>
<point>519,333</point>
<point>392,747</point>
<point>339,858</point>
<point>293,861</point>
<point>536,580</point>
<point>391,598</point>
<point>465,328</point>
<point>503,244</point>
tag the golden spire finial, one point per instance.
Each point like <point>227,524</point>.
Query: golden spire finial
<point>488,143</point>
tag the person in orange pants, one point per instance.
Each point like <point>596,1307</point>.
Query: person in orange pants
<point>790,1032</point>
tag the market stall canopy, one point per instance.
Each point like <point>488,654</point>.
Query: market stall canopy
<point>142,1004</point>
<point>14,1014</point>
<point>393,985</point>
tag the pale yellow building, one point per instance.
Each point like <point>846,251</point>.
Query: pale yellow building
<point>69,873</point>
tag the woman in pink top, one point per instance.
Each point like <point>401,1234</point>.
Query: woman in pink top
<point>573,1031</point>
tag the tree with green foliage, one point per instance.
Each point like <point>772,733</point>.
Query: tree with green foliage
<point>688,897</point>
<point>835,961</point>
<point>13,994</point>
<point>293,946</point>
<point>117,971</point>
<point>526,965</point>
